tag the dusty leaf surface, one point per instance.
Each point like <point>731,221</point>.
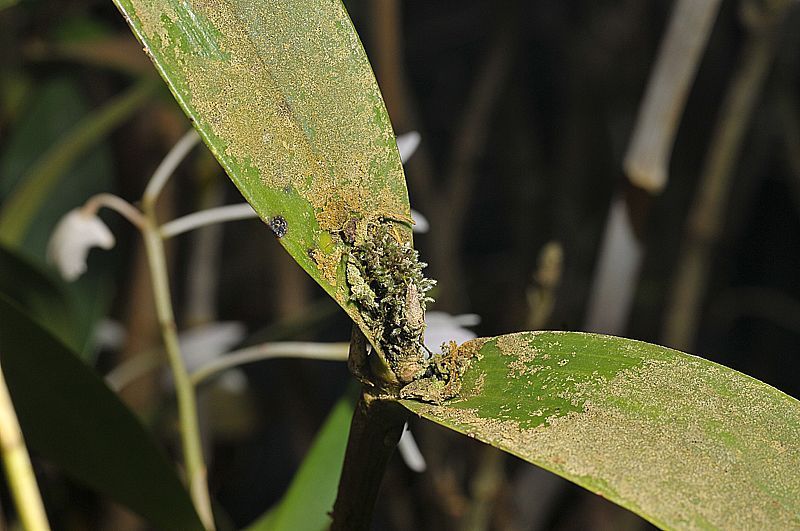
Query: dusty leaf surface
<point>284,96</point>
<point>682,441</point>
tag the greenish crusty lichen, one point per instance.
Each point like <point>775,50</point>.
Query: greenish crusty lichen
<point>387,284</point>
<point>443,376</point>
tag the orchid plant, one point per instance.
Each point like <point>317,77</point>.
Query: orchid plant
<point>289,106</point>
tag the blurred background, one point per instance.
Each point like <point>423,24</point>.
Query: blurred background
<point>553,203</point>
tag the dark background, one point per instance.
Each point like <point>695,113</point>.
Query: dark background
<point>525,111</point>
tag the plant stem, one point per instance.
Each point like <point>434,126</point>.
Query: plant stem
<point>647,159</point>
<point>168,165</point>
<point>184,390</point>
<point>17,463</point>
<point>268,351</point>
<point>209,216</point>
<point>374,432</point>
<point>117,204</point>
<point>707,215</point>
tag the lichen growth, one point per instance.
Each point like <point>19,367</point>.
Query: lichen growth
<point>327,263</point>
<point>387,285</point>
<point>443,377</point>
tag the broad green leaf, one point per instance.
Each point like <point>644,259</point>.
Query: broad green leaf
<point>39,294</point>
<point>284,96</point>
<point>68,311</point>
<point>681,441</point>
<point>309,499</point>
<point>70,417</point>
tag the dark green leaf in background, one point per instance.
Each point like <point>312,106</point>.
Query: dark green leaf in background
<point>309,499</point>
<point>40,295</point>
<point>55,159</point>
<point>69,417</point>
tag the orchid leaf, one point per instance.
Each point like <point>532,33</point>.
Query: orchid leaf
<point>72,419</point>
<point>309,499</point>
<point>681,441</point>
<point>284,96</point>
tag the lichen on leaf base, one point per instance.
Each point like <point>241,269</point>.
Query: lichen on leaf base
<point>388,287</point>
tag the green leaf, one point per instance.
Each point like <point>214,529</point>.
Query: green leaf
<point>68,311</point>
<point>285,98</point>
<point>71,418</point>
<point>681,441</point>
<point>310,497</point>
<point>40,295</point>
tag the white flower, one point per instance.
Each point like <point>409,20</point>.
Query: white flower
<point>442,327</point>
<point>203,344</point>
<point>109,335</point>
<point>73,237</point>
<point>421,224</point>
<point>409,451</point>
<point>407,144</point>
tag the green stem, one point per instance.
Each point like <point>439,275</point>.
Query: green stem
<point>710,205</point>
<point>374,432</point>
<point>269,351</point>
<point>17,463</point>
<point>184,390</point>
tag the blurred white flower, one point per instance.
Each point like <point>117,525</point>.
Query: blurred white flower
<point>442,327</point>
<point>407,144</point>
<point>205,343</point>
<point>76,233</point>
<point>409,451</point>
<point>421,224</point>
<point>109,335</point>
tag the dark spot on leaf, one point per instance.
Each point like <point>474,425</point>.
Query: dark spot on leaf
<point>310,253</point>
<point>279,226</point>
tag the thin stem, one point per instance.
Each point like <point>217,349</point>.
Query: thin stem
<point>169,164</point>
<point>267,351</point>
<point>374,432</point>
<point>187,407</point>
<point>647,160</point>
<point>191,441</point>
<point>17,463</point>
<point>117,204</point>
<point>207,217</point>
<point>139,365</point>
